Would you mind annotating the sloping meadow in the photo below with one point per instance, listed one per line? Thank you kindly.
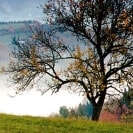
(28, 124)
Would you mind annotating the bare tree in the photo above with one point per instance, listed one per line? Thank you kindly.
(101, 65)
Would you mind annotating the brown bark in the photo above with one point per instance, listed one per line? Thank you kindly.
(97, 107)
(96, 112)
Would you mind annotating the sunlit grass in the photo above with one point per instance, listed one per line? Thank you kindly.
(27, 124)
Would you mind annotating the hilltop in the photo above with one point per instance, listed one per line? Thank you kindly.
(10, 28)
(20, 28)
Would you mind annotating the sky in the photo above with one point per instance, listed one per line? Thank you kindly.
(32, 102)
(11, 10)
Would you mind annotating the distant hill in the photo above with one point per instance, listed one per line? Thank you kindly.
(8, 28)
(21, 28)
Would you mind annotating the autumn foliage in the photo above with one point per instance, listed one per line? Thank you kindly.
(100, 63)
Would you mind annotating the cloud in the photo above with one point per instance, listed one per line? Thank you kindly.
(19, 10)
(7, 9)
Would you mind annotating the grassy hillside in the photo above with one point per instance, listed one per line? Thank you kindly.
(26, 124)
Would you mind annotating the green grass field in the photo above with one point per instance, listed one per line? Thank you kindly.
(27, 124)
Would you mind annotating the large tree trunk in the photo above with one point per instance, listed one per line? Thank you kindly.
(96, 112)
(97, 107)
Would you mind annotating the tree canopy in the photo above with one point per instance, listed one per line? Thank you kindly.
(100, 64)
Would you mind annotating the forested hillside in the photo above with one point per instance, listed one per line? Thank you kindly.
(7, 28)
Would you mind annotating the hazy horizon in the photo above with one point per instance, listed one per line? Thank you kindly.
(30, 103)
